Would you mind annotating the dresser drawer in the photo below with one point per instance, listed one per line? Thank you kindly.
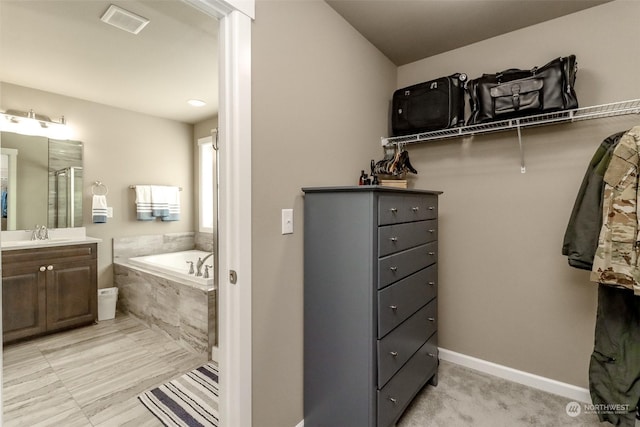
(400, 265)
(400, 344)
(395, 208)
(400, 300)
(396, 395)
(398, 237)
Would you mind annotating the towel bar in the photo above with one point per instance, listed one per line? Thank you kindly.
(133, 187)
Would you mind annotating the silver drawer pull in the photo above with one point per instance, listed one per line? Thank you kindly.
(432, 231)
(431, 319)
(43, 268)
(431, 355)
(415, 208)
(431, 208)
(393, 400)
(432, 283)
(393, 239)
(49, 267)
(393, 307)
(394, 353)
(432, 253)
(394, 269)
(393, 210)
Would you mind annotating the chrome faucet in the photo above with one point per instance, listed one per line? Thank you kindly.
(40, 233)
(200, 263)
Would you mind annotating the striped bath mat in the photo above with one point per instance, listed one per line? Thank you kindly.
(188, 401)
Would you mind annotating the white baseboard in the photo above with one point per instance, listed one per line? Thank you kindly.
(569, 391)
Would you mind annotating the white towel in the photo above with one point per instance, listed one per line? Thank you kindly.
(173, 200)
(159, 201)
(99, 208)
(143, 203)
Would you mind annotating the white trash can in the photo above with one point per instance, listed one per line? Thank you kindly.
(107, 298)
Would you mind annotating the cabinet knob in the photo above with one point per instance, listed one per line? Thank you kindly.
(415, 208)
(393, 210)
(431, 319)
(432, 253)
(432, 230)
(49, 267)
(394, 353)
(432, 283)
(393, 239)
(431, 208)
(43, 268)
(393, 307)
(431, 355)
(394, 269)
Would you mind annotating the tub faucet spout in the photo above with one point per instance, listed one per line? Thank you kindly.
(200, 263)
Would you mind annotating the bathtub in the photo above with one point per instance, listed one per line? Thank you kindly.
(176, 266)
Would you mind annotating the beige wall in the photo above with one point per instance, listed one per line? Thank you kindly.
(121, 148)
(320, 98)
(506, 293)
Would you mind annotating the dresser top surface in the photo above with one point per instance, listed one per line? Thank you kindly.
(368, 188)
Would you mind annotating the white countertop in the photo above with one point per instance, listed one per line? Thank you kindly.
(21, 239)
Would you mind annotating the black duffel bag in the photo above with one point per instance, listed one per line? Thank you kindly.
(433, 105)
(516, 93)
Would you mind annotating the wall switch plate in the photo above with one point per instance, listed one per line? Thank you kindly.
(287, 221)
(109, 212)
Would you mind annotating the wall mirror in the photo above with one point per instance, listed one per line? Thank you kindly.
(41, 181)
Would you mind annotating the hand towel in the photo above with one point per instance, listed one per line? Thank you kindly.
(143, 203)
(173, 199)
(99, 208)
(159, 201)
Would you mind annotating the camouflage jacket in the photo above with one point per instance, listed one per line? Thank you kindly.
(616, 258)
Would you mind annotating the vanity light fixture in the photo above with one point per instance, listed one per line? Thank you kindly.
(30, 123)
(196, 103)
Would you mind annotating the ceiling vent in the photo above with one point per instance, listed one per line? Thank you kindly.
(124, 19)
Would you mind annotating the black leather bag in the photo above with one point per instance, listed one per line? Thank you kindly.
(516, 93)
(433, 105)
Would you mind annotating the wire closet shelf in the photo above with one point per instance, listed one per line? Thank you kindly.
(586, 113)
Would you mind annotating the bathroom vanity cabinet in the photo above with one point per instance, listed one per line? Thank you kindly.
(48, 289)
(370, 302)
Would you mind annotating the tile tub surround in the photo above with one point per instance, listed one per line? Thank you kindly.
(186, 314)
(128, 247)
(204, 241)
(181, 311)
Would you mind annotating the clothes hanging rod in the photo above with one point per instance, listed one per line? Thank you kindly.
(133, 187)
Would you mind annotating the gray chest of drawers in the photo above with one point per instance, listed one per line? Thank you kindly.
(370, 303)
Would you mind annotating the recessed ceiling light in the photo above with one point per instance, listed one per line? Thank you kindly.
(196, 103)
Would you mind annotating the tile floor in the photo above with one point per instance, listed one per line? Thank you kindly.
(90, 376)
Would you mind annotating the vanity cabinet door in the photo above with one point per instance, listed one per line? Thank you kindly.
(71, 294)
(48, 289)
(23, 301)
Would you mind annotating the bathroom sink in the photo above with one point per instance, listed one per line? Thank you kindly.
(21, 239)
(25, 243)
